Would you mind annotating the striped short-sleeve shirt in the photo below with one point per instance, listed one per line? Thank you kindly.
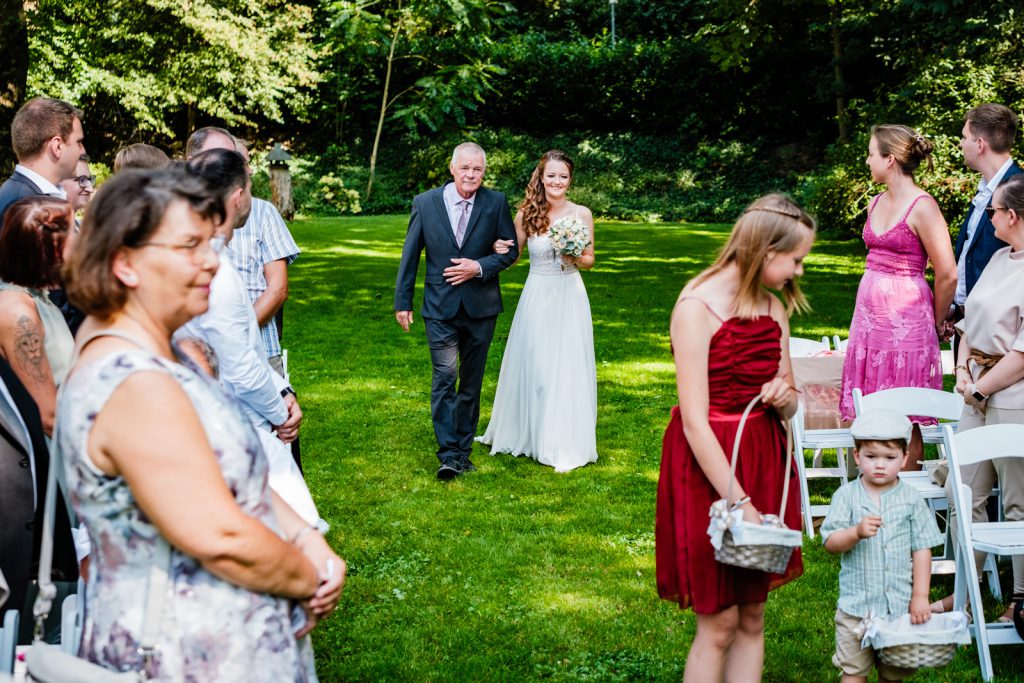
(263, 238)
(876, 573)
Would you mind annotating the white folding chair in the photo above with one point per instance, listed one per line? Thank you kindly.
(942, 405)
(817, 440)
(839, 344)
(1001, 538)
(799, 347)
(8, 641)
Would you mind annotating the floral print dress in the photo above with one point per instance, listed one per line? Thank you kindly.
(211, 630)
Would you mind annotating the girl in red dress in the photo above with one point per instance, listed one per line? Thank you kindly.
(730, 340)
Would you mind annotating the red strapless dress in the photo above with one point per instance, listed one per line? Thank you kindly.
(744, 354)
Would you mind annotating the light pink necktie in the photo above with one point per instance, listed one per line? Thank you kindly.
(460, 230)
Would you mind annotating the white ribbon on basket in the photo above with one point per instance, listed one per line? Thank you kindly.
(747, 533)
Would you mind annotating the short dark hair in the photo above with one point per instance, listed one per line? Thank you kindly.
(996, 123)
(38, 121)
(140, 155)
(198, 139)
(222, 170)
(125, 212)
(32, 242)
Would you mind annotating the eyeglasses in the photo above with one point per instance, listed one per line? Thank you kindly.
(990, 211)
(194, 249)
(85, 181)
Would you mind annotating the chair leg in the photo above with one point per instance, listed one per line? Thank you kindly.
(991, 571)
(843, 471)
(805, 495)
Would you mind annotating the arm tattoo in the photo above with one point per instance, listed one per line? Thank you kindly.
(28, 348)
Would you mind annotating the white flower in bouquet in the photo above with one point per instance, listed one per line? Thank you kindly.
(570, 236)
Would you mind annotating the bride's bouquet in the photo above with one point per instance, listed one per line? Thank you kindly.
(570, 236)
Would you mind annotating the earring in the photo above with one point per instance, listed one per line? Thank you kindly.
(130, 279)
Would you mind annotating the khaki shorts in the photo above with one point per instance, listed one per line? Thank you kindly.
(855, 660)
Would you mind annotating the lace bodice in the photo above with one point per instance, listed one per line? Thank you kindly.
(544, 260)
(898, 250)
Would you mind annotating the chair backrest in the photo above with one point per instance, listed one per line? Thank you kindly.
(839, 344)
(972, 446)
(799, 347)
(944, 405)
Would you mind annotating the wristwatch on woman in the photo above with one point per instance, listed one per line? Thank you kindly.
(978, 396)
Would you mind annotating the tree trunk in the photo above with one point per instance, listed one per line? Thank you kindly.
(842, 116)
(383, 102)
(13, 72)
(281, 191)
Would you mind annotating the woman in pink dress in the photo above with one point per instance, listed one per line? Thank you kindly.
(897, 322)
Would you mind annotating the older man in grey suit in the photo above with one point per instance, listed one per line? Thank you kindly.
(457, 225)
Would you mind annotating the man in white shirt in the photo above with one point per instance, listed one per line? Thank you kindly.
(48, 142)
(986, 139)
(229, 327)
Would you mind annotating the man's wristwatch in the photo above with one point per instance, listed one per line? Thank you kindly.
(286, 391)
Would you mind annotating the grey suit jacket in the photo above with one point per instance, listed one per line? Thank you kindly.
(24, 463)
(430, 229)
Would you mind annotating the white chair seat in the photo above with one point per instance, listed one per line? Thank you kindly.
(1001, 538)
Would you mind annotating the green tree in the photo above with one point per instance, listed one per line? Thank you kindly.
(167, 63)
(431, 55)
(13, 69)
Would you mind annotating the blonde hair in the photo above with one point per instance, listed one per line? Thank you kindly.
(773, 223)
(905, 144)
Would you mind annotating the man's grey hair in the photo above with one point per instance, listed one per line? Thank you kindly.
(469, 148)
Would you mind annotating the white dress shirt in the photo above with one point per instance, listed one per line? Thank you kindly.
(453, 202)
(229, 327)
(980, 201)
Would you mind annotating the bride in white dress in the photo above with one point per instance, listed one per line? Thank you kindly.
(546, 402)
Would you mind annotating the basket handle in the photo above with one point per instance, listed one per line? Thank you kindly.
(736, 456)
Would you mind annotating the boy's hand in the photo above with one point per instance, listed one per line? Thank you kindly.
(869, 526)
(920, 611)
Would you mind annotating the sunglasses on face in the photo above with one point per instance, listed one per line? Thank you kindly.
(990, 211)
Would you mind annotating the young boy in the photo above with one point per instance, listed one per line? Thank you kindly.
(879, 523)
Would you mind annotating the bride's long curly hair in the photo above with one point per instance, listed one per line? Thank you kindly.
(535, 205)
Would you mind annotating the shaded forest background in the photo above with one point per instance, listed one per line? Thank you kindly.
(696, 107)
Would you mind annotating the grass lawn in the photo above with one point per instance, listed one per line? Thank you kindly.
(515, 572)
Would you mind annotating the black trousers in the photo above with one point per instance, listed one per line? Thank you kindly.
(458, 353)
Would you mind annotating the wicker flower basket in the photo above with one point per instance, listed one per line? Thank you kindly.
(767, 547)
(918, 655)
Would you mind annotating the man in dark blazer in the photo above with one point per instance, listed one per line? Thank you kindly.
(986, 139)
(24, 464)
(48, 141)
(457, 225)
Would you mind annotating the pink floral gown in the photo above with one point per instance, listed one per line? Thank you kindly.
(892, 336)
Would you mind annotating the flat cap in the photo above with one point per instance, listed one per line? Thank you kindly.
(881, 425)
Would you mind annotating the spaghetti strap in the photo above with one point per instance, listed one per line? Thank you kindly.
(912, 205)
(710, 310)
(874, 202)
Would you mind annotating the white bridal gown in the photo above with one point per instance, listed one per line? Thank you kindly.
(546, 402)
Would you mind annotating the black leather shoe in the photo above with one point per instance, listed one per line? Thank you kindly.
(448, 471)
(466, 465)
